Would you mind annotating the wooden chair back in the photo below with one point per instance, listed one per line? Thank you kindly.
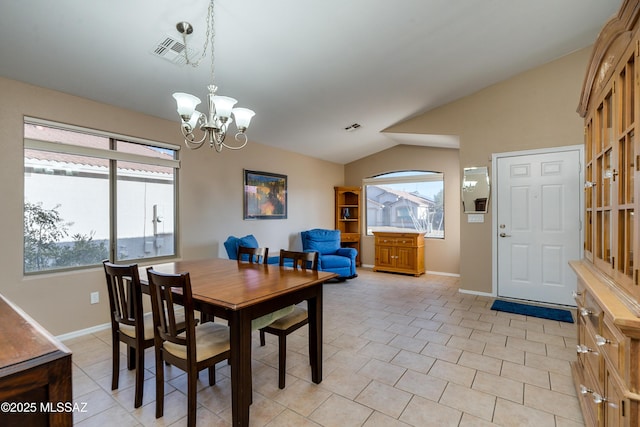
(253, 255)
(125, 294)
(301, 260)
(180, 350)
(163, 305)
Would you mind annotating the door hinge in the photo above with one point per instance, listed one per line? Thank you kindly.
(613, 262)
(635, 277)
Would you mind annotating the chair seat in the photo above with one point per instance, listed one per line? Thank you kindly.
(296, 316)
(130, 330)
(334, 261)
(211, 339)
(267, 319)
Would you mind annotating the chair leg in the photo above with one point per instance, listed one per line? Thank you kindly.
(159, 384)
(139, 376)
(192, 377)
(131, 357)
(262, 339)
(115, 348)
(282, 360)
(212, 375)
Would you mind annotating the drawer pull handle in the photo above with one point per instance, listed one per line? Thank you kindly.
(583, 349)
(576, 294)
(584, 389)
(597, 399)
(585, 312)
(600, 340)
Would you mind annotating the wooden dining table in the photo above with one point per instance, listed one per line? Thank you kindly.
(240, 292)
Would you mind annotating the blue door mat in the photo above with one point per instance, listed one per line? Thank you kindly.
(532, 310)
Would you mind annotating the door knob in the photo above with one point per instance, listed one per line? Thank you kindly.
(505, 235)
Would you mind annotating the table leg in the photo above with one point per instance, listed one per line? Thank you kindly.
(240, 340)
(315, 335)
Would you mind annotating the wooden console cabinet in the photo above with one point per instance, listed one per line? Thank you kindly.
(399, 252)
(35, 373)
(607, 368)
(348, 214)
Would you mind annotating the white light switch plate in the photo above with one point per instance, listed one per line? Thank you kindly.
(475, 218)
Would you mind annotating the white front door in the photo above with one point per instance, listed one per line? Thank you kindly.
(538, 225)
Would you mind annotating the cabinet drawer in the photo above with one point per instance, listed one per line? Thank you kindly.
(589, 354)
(585, 386)
(348, 237)
(613, 345)
(579, 295)
(406, 241)
(385, 241)
(591, 311)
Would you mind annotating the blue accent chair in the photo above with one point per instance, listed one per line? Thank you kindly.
(249, 241)
(332, 257)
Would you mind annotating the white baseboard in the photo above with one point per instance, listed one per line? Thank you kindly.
(484, 294)
(442, 273)
(437, 273)
(83, 332)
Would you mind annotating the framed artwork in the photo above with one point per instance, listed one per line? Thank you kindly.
(265, 195)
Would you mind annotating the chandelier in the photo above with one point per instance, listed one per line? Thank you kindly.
(215, 124)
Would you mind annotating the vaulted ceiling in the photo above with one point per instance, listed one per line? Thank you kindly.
(309, 69)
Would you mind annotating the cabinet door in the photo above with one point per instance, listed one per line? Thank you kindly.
(385, 256)
(613, 404)
(406, 258)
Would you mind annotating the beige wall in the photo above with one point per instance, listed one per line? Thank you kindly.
(210, 200)
(536, 109)
(533, 110)
(441, 255)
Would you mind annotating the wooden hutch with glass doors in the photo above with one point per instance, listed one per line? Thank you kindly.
(606, 371)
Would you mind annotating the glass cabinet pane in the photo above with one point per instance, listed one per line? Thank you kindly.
(627, 95)
(608, 121)
(625, 242)
(607, 179)
(626, 166)
(599, 130)
(588, 233)
(606, 236)
(588, 142)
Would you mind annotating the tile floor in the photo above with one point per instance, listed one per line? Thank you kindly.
(398, 351)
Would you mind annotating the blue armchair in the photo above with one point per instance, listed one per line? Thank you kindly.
(249, 241)
(332, 257)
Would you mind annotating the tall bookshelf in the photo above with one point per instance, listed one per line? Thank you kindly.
(348, 214)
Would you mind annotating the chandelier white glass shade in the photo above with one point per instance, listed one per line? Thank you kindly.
(215, 124)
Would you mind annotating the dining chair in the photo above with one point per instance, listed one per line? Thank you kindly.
(253, 255)
(259, 256)
(197, 348)
(129, 324)
(294, 320)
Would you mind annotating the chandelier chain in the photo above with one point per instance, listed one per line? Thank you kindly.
(213, 125)
(209, 38)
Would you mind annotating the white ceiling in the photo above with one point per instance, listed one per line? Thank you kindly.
(308, 68)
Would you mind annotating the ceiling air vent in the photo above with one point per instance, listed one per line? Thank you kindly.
(352, 127)
(172, 50)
